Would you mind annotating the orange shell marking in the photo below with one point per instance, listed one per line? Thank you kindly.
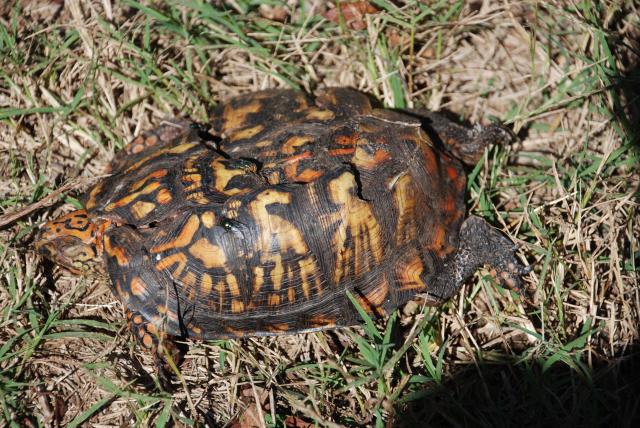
(210, 255)
(179, 258)
(93, 194)
(208, 219)
(138, 288)
(184, 237)
(155, 174)
(181, 148)
(141, 209)
(235, 117)
(206, 284)
(365, 246)
(318, 114)
(245, 133)
(132, 197)
(117, 252)
(164, 196)
(405, 204)
(363, 160)
(289, 146)
(409, 275)
(375, 298)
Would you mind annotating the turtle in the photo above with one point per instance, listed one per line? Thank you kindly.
(281, 215)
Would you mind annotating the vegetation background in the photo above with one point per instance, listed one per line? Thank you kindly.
(80, 78)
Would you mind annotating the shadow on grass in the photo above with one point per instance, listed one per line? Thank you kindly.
(522, 395)
(626, 86)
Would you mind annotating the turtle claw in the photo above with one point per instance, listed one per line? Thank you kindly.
(508, 270)
(509, 276)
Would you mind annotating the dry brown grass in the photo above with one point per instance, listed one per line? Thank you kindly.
(83, 79)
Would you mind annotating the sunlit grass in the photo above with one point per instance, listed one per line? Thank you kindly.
(77, 87)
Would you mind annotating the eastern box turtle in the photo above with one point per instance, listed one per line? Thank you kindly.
(263, 225)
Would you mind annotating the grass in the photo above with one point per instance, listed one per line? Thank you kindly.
(78, 82)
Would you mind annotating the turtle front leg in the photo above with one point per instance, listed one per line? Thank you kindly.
(160, 345)
(479, 244)
(463, 142)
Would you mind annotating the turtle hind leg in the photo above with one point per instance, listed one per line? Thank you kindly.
(479, 244)
(160, 345)
(463, 142)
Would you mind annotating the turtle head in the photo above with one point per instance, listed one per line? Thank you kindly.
(70, 241)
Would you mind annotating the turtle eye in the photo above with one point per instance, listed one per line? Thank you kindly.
(46, 250)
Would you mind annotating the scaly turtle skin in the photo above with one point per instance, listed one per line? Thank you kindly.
(264, 228)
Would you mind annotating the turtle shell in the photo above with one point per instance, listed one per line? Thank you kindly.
(267, 227)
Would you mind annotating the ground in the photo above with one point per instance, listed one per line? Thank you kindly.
(78, 79)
